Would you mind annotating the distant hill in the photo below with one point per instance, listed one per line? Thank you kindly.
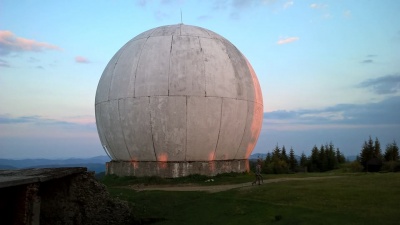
(93, 164)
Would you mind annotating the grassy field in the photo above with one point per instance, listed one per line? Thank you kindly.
(364, 198)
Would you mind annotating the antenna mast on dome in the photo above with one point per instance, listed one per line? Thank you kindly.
(181, 17)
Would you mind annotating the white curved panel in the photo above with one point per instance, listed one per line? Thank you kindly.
(168, 121)
(136, 126)
(168, 30)
(103, 88)
(186, 67)
(123, 81)
(153, 68)
(220, 78)
(203, 122)
(113, 133)
(194, 31)
(252, 130)
(233, 124)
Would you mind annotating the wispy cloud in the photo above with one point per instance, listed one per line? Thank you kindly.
(389, 84)
(9, 42)
(287, 40)
(159, 15)
(288, 4)
(384, 113)
(347, 14)
(81, 59)
(318, 6)
(366, 61)
(4, 63)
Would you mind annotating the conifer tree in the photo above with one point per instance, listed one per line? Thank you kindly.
(314, 160)
(292, 160)
(392, 152)
(367, 152)
(303, 160)
(284, 156)
(377, 150)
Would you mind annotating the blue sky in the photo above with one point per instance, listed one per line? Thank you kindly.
(329, 70)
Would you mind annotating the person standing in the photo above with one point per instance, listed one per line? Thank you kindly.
(259, 178)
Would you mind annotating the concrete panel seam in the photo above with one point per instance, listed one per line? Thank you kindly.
(181, 96)
(151, 130)
(137, 65)
(204, 68)
(219, 131)
(186, 126)
(120, 124)
(244, 132)
(169, 64)
(107, 144)
(113, 71)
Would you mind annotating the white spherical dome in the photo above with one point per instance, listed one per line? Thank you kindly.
(178, 93)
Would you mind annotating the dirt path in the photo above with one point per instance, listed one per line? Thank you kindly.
(218, 188)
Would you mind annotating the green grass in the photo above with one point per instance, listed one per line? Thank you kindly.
(364, 198)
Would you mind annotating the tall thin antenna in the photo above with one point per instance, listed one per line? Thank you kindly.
(181, 16)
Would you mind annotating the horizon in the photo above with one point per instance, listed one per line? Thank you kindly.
(328, 70)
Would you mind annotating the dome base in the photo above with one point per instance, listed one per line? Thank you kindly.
(175, 169)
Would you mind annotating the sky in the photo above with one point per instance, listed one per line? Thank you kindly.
(329, 70)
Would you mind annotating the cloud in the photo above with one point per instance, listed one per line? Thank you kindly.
(241, 4)
(204, 17)
(9, 42)
(384, 113)
(347, 14)
(159, 15)
(4, 63)
(318, 6)
(389, 84)
(287, 40)
(288, 4)
(366, 61)
(81, 59)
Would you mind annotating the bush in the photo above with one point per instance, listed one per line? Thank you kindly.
(352, 167)
(391, 166)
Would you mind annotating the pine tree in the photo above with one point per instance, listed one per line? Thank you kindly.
(284, 156)
(392, 152)
(322, 159)
(268, 159)
(340, 157)
(332, 162)
(276, 154)
(314, 160)
(377, 150)
(292, 161)
(303, 160)
(367, 152)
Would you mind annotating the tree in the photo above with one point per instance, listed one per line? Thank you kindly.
(340, 157)
(370, 156)
(377, 150)
(367, 152)
(314, 160)
(332, 162)
(392, 152)
(303, 160)
(284, 156)
(292, 160)
(276, 154)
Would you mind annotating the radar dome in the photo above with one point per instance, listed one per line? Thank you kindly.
(177, 100)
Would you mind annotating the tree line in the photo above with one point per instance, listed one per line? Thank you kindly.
(322, 159)
(327, 157)
(372, 160)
